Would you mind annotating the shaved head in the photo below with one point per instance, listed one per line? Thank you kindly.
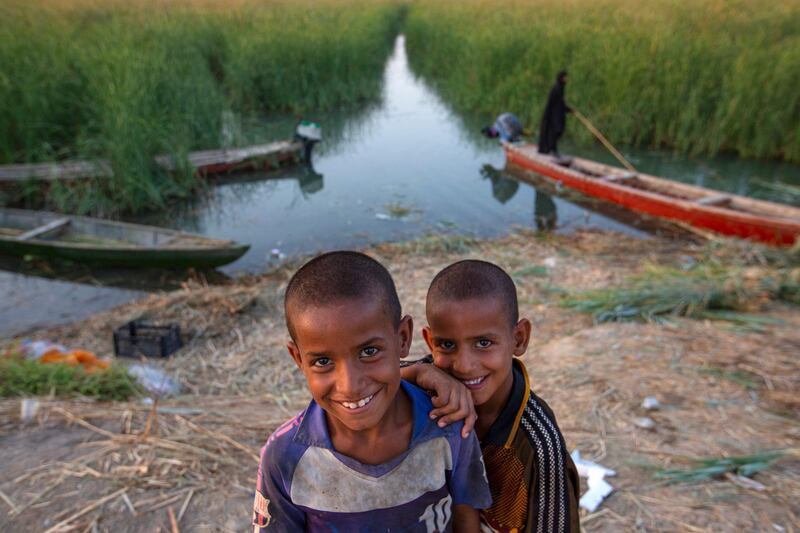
(335, 277)
(472, 279)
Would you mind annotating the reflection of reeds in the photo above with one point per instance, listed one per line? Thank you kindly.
(126, 82)
(698, 76)
(780, 192)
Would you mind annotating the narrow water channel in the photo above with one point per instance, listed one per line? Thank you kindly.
(403, 167)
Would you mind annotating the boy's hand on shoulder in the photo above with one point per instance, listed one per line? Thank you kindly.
(452, 401)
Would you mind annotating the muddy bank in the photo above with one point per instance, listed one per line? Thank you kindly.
(724, 391)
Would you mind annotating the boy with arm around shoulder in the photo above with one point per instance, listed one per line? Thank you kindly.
(475, 335)
(364, 455)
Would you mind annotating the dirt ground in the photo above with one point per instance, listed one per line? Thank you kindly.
(189, 463)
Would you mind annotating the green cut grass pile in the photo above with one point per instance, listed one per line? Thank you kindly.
(20, 377)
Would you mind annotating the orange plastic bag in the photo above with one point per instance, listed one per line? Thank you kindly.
(89, 361)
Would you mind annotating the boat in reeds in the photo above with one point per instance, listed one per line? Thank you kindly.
(204, 163)
(91, 240)
(707, 209)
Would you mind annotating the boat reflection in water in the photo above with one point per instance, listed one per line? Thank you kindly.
(309, 180)
(545, 207)
(544, 211)
(504, 187)
(133, 279)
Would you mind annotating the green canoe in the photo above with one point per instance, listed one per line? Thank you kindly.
(91, 240)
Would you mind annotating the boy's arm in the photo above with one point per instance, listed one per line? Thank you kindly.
(565, 474)
(452, 401)
(571, 519)
(468, 484)
(466, 519)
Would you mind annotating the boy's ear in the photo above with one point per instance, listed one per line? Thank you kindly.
(522, 335)
(406, 332)
(294, 351)
(427, 334)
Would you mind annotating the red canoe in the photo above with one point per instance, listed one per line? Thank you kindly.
(724, 213)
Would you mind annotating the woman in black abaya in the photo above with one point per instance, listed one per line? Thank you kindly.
(554, 118)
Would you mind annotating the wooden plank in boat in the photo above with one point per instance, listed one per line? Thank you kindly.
(55, 171)
(228, 156)
(717, 199)
(103, 169)
(619, 178)
(46, 229)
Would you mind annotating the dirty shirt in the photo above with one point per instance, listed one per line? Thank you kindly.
(304, 484)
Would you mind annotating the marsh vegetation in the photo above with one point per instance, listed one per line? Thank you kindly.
(699, 77)
(127, 81)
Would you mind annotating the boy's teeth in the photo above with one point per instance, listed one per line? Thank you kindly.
(473, 381)
(360, 403)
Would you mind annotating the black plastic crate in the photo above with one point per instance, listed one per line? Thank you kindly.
(136, 339)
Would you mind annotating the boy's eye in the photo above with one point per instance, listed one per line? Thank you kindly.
(447, 345)
(321, 362)
(369, 351)
(484, 343)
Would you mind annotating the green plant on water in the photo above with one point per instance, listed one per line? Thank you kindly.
(707, 291)
(20, 377)
(699, 76)
(439, 244)
(399, 210)
(705, 469)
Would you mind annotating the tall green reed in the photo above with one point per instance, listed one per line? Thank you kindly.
(126, 82)
(698, 76)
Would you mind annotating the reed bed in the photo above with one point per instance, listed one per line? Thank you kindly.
(128, 81)
(698, 76)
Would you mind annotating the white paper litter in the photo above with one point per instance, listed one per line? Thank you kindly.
(645, 422)
(28, 408)
(651, 403)
(599, 488)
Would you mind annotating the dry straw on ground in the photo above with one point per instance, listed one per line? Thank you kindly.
(189, 463)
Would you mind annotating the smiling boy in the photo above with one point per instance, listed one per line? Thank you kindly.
(475, 335)
(364, 455)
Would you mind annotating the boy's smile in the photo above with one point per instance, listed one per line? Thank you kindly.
(474, 341)
(349, 353)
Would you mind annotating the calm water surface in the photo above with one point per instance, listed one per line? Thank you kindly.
(400, 168)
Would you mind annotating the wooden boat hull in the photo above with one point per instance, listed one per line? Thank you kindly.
(90, 240)
(204, 163)
(763, 221)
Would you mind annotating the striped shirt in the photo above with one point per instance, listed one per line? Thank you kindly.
(534, 483)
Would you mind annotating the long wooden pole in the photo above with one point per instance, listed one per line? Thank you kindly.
(603, 140)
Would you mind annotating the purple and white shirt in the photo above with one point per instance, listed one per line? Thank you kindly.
(306, 485)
